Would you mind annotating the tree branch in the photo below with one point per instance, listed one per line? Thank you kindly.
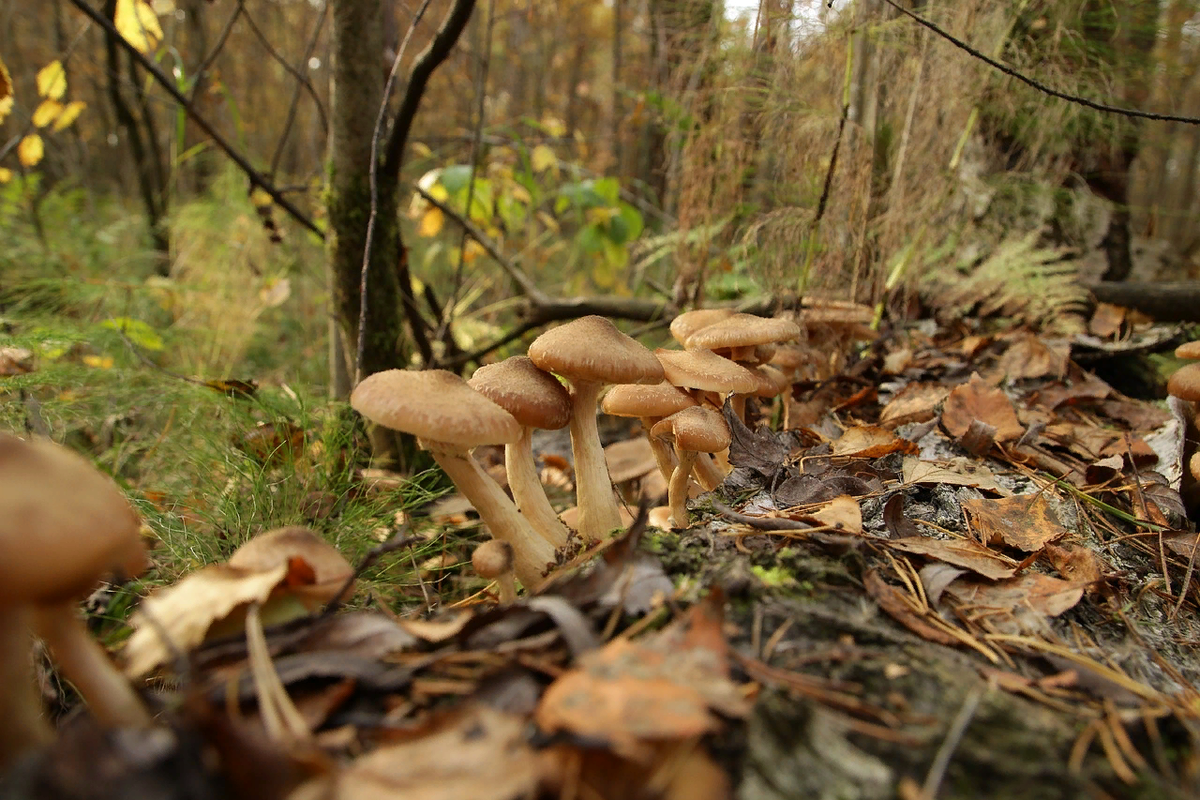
(257, 180)
(430, 59)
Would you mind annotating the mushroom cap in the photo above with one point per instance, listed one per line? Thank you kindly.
(1185, 382)
(592, 349)
(268, 550)
(63, 524)
(1188, 350)
(772, 381)
(706, 371)
(698, 429)
(1194, 465)
(492, 559)
(630, 459)
(533, 396)
(742, 330)
(689, 322)
(435, 405)
(641, 400)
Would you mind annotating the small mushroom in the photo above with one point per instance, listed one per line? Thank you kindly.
(689, 322)
(649, 404)
(493, 561)
(693, 430)
(1189, 351)
(591, 353)
(738, 335)
(64, 525)
(449, 419)
(536, 400)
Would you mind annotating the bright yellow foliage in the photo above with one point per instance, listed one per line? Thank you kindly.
(52, 81)
(70, 113)
(46, 112)
(137, 22)
(30, 150)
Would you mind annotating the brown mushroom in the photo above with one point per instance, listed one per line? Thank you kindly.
(1189, 351)
(536, 400)
(738, 335)
(591, 353)
(449, 419)
(649, 403)
(689, 322)
(693, 430)
(493, 561)
(64, 525)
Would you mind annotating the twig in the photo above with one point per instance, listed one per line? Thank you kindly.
(257, 179)
(937, 770)
(1041, 87)
(373, 177)
(203, 66)
(437, 51)
(760, 523)
(295, 102)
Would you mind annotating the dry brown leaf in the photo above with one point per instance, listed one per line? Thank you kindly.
(476, 752)
(1106, 320)
(15, 361)
(1023, 521)
(436, 630)
(892, 601)
(842, 513)
(959, 472)
(1030, 357)
(1030, 591)
(870, 441)
(186, 611)
(916, 402)
(1077, 564)
(976, 400)
(963, 553)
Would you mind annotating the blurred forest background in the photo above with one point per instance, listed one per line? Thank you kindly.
(186, 185)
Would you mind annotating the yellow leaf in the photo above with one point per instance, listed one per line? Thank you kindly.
(553, 125)
(52, 80)
(275, 292)
(46, 112)
(550, 222)
(543, 158)
(135, 20)
(5, 175)
(98, 362)
(30, 150)
(431, 223)
(6, 93)
(420, 150)
(472, 251)
(69, 114)
(260, 198)
(520, 194)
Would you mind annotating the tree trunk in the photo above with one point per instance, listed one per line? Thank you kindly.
(356, 95)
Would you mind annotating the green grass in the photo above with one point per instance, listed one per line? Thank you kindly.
(177, 447)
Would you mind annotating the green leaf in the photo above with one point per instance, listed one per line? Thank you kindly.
(633, 220)
(609, 189)
(135, 331)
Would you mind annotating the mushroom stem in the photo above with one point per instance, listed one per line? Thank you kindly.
(677, 490)
(24, 726)
(531, 553)
(598, 512)
(85, 663)
(708, 473)
(506, 589)
(664, 456)
(527, 490)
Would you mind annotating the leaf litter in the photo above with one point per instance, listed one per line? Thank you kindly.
(992, 499)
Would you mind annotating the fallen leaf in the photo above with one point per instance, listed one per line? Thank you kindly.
(976, 400)
(870, 441)
(1077, 564)
(1024, 521)
(15, 361)
(1030, 357)
(842, 513)
(958, 472)
(916, 402)
(893, 602)
(963, 553)
(1032, 591)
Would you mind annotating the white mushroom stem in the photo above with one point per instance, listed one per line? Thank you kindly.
(664, 455)
(528, 492)
(677, 489)
(598, 511)
(506, 589)
(531, 553)
(24, 728)
(84, 662)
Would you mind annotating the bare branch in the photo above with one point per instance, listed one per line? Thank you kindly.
(429, 60)
(257, 179)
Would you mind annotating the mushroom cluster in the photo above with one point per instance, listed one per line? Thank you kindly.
(502, 404)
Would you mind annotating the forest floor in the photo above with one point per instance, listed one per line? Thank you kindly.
(952, 564)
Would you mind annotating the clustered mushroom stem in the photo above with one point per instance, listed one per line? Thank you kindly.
(598, 511)
(83, 661)
(708, 474)
(664, 456)
(677, 489)
(527, 490)
(531, 553)
(24, 728)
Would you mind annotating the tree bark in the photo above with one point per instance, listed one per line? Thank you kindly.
(357, 77)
